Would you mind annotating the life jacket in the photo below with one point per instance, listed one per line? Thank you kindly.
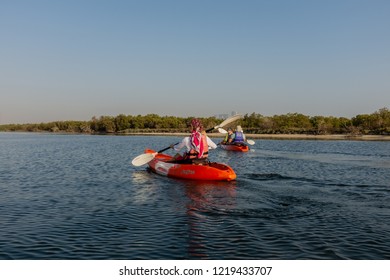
(193, 154)
(227, 137)
(239, 137)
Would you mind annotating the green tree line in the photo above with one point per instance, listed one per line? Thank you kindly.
(377, 123)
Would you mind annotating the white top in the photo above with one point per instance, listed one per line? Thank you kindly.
(186, 142)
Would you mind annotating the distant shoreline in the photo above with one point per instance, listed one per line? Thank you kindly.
(219, 135)
(282, 136)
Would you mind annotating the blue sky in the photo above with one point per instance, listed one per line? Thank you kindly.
(72, 60)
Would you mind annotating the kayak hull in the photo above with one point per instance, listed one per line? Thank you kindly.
(236, 148)
(163, 164)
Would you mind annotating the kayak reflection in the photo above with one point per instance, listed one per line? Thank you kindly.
(209, 203)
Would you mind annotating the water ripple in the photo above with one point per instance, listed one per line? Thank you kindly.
(77, 197)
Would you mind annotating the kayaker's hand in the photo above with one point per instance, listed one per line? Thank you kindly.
(171, 146)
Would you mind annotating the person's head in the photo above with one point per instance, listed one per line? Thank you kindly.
(230, 130)
(196, 125)
(239, 128)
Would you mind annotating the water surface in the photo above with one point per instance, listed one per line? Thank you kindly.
(78, 197)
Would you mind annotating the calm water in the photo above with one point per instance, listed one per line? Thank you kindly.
(78, 197)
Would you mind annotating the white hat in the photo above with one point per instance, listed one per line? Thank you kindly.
(239, 129)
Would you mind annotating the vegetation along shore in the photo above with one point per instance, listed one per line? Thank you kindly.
(374, 126)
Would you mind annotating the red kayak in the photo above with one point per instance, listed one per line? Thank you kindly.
(165, 165)
(235, 147)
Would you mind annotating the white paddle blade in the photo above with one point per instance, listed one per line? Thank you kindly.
(221, 130)
(142, 159)
(229, 120)
(250, 142)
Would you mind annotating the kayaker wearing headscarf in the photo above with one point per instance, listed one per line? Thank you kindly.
(197, 145)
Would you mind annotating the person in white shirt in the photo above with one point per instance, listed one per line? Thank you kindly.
(197, 145)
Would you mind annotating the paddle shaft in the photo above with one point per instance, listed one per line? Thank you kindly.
(167, 148)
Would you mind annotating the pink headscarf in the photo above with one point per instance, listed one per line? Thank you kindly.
(196, 137)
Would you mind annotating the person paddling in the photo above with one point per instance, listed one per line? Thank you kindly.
(239, 136)
(197, 145)
(229, 137)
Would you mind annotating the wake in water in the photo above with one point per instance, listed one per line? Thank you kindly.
(314, 182)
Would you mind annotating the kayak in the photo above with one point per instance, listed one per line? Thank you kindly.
(235, 147)
(165, 165)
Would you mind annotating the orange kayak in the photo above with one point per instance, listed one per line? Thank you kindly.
(235, 147)
(165, 165)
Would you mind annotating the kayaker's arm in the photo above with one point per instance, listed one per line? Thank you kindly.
(180, 145)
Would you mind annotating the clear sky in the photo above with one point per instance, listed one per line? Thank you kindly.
(75, 59)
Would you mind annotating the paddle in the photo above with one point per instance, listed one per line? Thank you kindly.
(145, 158)
(221, 130)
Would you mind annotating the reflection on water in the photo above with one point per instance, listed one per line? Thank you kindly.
(208, 195)
(145, 191)
(199, 202)
(206, 199)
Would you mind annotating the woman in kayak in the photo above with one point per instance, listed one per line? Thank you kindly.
(197, 145)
